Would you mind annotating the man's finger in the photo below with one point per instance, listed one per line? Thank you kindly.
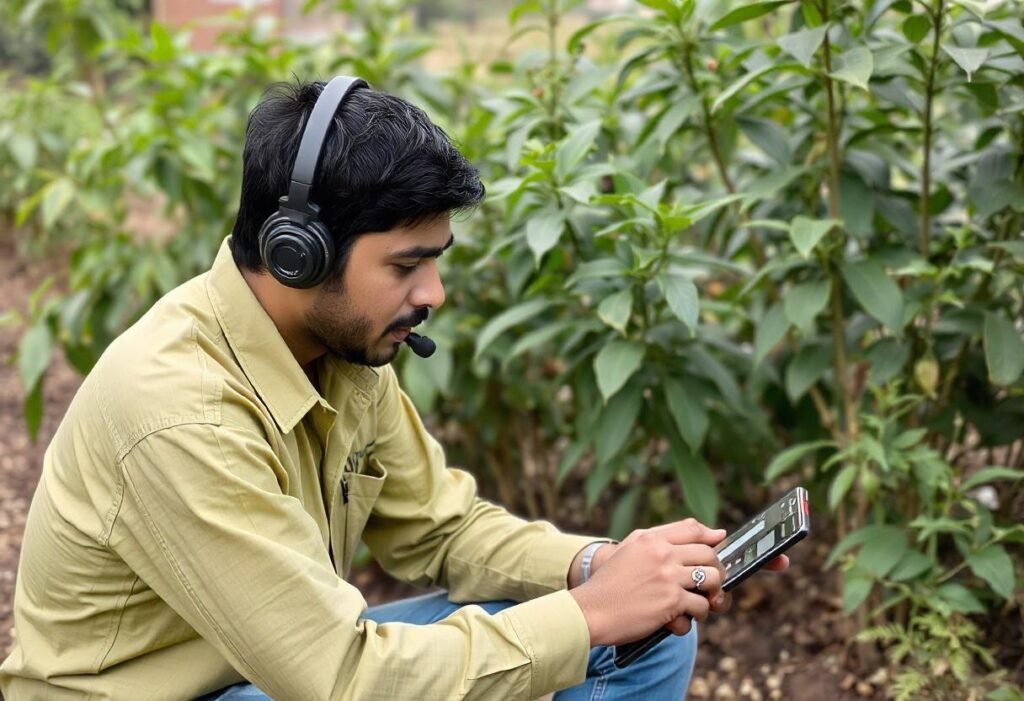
(680, 626)
(778, 564)
(688, 531)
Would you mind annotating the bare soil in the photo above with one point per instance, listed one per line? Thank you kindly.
(785, 637)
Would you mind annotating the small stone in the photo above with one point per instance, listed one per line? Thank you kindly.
(747, 689)
(880, 677)
(725, 692)
(698, 688)
(784, 656)
(864, 689)
(773, 682)
(847, 683)
(727, 665)
(775, 694)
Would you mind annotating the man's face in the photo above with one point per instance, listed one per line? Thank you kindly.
(388, 285)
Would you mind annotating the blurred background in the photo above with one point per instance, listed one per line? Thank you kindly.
(728, 248)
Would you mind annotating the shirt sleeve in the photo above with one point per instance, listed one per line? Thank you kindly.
(203, 521)
(429, 526)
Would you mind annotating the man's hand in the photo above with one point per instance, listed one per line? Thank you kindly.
(641, 584)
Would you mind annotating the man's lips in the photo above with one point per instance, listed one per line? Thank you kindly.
(401, 333)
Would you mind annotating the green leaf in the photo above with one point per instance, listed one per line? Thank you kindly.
(854, 66)
(841, 485)
(859, 537)
(34, 350)
(544, 229)
(56, 198)
(877, 293)
(960, 598)
(856, 588)
(681, 295)
(686, 404)
(32, 409)
(802, 45)
(700, 491)
(968, 59)
(767, 136)
(770, 331)
(994, 565)
(807, 367)
(879, 556)
(747, 11)
(992, 187)
(506, 320)
(913, 564)
(615, 424)
(575, 147)
(624, 513)
(570, 459)
(743, 82)
(24, 150)
(887, 356)
(785, 460)
(916, 27)
(991, 474)
(597, 269)
(1004, 349)
(856, 204)
(804, 302)
(806, 233)
(615, 364)
(615, 309)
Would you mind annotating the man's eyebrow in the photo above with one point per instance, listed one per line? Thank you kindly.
(424, 251)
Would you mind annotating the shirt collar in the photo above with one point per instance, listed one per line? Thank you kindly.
(262, 354)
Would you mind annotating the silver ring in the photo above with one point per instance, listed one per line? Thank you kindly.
(698, 576)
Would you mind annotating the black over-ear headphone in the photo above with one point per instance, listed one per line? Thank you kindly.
(294, 244)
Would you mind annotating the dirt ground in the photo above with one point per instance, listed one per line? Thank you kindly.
(785, 637)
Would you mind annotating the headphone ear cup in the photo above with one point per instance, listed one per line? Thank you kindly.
(297, 255)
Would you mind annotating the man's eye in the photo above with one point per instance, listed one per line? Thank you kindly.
(405, 269)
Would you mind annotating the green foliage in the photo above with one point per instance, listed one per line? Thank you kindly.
(939, 658)
(724, 244)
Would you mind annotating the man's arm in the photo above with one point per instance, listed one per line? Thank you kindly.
(428, 525)
(205, 525)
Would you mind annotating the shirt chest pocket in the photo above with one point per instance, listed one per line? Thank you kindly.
(353, 505)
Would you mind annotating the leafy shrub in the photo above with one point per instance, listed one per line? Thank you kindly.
(723, 247)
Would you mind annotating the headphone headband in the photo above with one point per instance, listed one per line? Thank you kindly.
(313, 136)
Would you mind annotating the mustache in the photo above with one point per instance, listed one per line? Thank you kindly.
(408, 321)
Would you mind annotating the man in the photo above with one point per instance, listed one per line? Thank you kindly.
(200, 503)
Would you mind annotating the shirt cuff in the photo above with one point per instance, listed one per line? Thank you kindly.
(554, 634)
(547, 565)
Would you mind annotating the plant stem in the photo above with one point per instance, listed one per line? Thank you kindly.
(716, 149)
(836, 301)
(926, 167)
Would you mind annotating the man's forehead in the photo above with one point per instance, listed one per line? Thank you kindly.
(396, 241)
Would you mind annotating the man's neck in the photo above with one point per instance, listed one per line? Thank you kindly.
(285, 308)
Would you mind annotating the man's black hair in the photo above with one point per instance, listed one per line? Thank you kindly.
(391, 167)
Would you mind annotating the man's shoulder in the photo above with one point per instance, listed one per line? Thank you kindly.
(168, 368)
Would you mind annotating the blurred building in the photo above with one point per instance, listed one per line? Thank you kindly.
(208, 18)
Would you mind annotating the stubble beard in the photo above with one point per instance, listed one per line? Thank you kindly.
(343, 331)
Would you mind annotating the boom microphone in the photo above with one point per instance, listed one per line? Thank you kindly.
(421, 345)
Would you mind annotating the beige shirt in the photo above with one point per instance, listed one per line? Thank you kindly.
(199, 507)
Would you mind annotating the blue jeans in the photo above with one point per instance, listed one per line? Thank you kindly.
(663, 674)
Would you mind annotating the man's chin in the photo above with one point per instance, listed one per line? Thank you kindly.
(373, 359)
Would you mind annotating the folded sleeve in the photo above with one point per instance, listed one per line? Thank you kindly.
(204, 522)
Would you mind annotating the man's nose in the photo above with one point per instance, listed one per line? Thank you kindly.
(429, 290)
